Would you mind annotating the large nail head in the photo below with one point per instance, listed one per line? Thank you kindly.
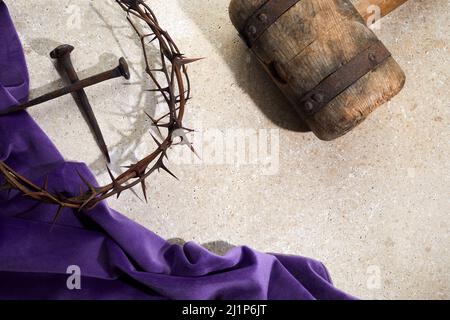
(61, 51)
(124, 70)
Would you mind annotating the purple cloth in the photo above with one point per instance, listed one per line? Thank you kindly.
(118, 258)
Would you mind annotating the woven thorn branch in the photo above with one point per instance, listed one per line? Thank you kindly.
(175, 91)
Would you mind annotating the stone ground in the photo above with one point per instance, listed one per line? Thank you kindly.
(373, 206)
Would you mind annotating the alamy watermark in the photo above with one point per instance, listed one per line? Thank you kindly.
(374, 17)
(232, 147)
(73, 282)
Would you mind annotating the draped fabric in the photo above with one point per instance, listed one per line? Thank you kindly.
(117, 258)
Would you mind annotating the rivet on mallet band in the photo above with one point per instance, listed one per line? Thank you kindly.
(318, 97)
(262, 17)
(252, 30)
(309, 106)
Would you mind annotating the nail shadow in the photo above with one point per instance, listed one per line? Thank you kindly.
(123, 149)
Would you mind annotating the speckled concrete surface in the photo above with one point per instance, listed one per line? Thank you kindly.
(374, 205)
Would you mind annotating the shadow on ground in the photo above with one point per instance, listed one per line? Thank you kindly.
(248, 73)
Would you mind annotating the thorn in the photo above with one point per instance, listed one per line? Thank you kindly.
(188, 130)
(45, 186)
(90, 186)
(86, 203)
(158, 129)
(146, 36)
(111, 175)
(148, 70)
(185, 92)
(161, 165)
(155, 123)
(165, 154)
(195, 152)
(153, 39)
(169, 172)
(156, 140)
(33, 194)
(144, 190)
(165, 125)
(55, 218)
(178, 100)
(167, 53)
(158, 90)
(151, 118)
(184, 61)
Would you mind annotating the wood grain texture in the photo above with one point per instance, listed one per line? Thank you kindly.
(311, 41)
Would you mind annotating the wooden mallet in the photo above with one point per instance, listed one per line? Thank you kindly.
(323, 56)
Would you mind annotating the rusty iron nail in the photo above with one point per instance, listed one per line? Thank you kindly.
(62, 55)
(121, 70)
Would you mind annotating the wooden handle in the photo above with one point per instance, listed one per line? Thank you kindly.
(385, 7)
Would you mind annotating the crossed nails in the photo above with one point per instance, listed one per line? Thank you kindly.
(64, 62)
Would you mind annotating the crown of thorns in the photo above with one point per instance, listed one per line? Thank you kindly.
(175, 90)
